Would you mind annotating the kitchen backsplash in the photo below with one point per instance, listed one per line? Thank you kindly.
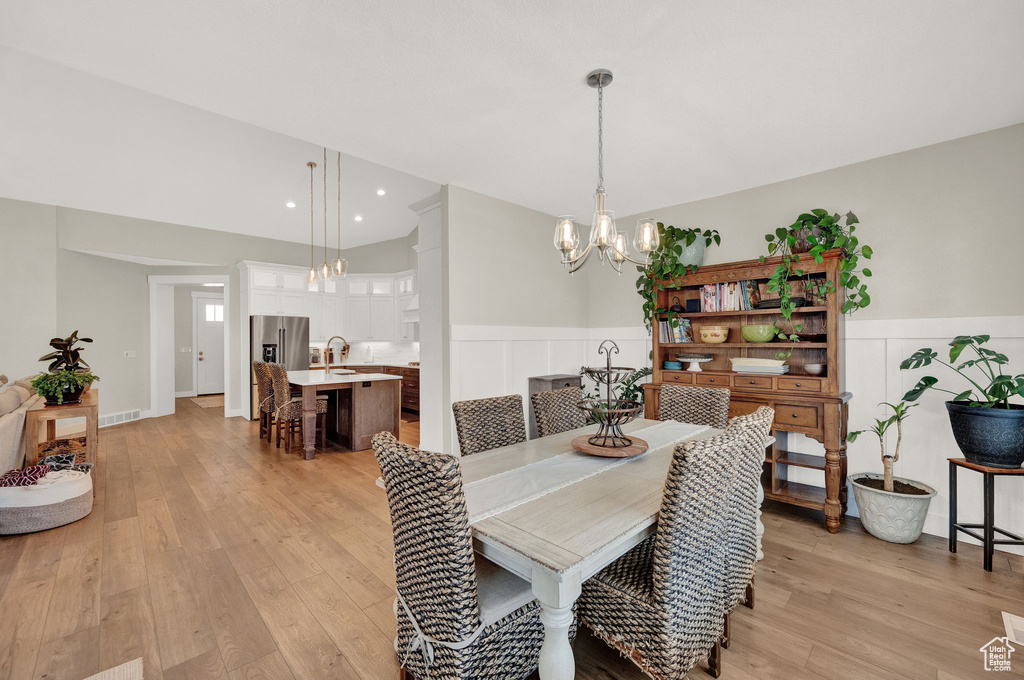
(380, 352)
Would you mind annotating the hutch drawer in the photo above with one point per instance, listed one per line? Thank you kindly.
(678, 377)
(800, 384)
(797, 415)
(716, 380)
(752, 382)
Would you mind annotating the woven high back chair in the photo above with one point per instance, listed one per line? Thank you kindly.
(288, 410)
(696, 405)
(485, 424)
(265, 394)
(663, 603)
(556, 410)
(438, 579)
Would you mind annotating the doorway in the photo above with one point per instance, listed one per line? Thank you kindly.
(208, 343)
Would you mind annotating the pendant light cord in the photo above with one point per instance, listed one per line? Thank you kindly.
(312, 254)
(325, 205)
(600, 138)
(339, 205)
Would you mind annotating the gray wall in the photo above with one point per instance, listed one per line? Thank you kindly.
(943, 220)
(53, 289)
(502, 267)
(28, 285)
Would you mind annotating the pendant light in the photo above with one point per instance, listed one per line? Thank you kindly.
(325, 268)
(312, 274)
(340, 266)
(610, 244)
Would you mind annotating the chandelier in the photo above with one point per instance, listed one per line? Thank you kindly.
(612, 246)
(338, 268)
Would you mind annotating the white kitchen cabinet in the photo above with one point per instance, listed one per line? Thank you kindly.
(406, 331)
(294, 281)
(264, 278)
(382, 319)
(358, 319)
(264, 302)
(382, 287)
(405, 283)
(293, 304)
(322, 310)
(357, 286)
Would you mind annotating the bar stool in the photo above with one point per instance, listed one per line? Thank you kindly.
(987, 538)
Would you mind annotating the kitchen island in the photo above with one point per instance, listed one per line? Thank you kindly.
(359, 406)
(410, 374)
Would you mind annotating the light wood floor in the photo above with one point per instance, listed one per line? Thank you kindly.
(213, 555)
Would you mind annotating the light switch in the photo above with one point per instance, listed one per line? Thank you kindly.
(129, 354)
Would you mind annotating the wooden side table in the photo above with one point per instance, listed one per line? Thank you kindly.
(987, 538)
(88, 408)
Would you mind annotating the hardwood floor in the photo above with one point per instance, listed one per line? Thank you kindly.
(213, 555)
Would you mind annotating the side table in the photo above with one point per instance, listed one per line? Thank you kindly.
(987, 538)
(88, 408)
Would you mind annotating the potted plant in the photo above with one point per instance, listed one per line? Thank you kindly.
(63, 386)
(891, 508)
(988, 428)
(69, 374)
(813, 233)
(680, 251)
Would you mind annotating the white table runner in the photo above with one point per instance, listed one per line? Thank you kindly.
(493, 495)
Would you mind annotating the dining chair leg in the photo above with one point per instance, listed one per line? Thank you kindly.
(727, 632)
(749, 599)
(277, 436)
(262, 423)
(289, 436)
(404, 675)
(715, 660)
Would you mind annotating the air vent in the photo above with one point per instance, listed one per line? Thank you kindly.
(118, 418)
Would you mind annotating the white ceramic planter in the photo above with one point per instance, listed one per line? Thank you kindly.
(693, 253)
(892, 517)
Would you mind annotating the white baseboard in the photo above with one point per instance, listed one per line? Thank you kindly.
(186, 393)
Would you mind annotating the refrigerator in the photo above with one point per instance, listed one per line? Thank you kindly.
(277, 340)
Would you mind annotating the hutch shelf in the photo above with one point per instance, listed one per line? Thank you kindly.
(813, 405)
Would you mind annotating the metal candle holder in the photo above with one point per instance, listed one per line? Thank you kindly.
(610, 414)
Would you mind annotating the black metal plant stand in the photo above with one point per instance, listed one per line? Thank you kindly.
(989, 530)
(610, 414)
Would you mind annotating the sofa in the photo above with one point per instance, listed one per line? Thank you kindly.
(59, 498)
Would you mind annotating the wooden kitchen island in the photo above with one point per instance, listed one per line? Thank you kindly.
(358, 407)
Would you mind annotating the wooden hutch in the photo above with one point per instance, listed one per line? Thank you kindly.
(815, 406)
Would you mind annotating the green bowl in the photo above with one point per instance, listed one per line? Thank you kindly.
(760, 333)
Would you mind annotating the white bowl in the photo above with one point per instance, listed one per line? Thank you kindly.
(814, 369)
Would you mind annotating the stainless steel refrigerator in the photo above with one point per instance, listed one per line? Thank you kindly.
(278, 340)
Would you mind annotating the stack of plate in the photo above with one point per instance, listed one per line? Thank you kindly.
(755, 366)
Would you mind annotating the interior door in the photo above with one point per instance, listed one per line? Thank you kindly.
(210, 346)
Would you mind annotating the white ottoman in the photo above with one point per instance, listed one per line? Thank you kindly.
(59, 498)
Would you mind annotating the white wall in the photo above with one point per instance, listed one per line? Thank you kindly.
(28, 285)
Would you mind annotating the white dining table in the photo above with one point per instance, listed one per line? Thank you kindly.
(556, 517)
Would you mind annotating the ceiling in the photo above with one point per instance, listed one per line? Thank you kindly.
(710, 96)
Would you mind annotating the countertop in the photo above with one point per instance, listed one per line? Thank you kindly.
(349, 364)
(317, 377)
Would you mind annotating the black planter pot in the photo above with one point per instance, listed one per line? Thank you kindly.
(69, 397)
(988, 436)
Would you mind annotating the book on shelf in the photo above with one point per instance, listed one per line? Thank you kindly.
(676, 331)
(732, 296)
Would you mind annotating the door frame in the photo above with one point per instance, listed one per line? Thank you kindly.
(196, 296)
(161, 339)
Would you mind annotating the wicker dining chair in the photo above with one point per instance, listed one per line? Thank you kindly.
(288, 409)
(485, 424)
(742, 512)
(663, 603)
(447, 595)
(557, 411)
(696, 405)
(265, 394)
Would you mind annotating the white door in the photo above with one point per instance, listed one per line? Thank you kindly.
(358, 320)
(382, 319)
(210, 346)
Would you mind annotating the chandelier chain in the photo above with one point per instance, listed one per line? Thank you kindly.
(600, 138)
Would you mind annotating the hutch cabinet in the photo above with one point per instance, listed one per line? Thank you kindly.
(812, 405)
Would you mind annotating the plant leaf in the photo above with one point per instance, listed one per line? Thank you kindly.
(920, 388)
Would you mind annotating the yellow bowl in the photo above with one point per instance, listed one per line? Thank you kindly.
(714, 334)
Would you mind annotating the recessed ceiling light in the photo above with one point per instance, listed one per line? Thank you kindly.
(290, 204)
(214, 285)
(380, 192)
(359, 218)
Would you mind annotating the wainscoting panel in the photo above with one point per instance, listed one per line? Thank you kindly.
(494, 360)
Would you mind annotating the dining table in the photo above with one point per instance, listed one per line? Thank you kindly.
(555, 517)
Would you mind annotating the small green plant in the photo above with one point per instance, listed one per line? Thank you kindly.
(900, 412)
(628, 390)
(67, 355)
(986, 362)
(56, 383)
(819, 231)
(665, 264)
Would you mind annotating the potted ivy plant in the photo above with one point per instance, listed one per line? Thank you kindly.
(680, 252)
(812, 234)
(988, 428)
(69, 375)
(891, 508)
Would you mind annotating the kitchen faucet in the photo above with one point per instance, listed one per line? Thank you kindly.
(342, 355)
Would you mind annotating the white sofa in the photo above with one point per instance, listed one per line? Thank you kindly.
(59, 498)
